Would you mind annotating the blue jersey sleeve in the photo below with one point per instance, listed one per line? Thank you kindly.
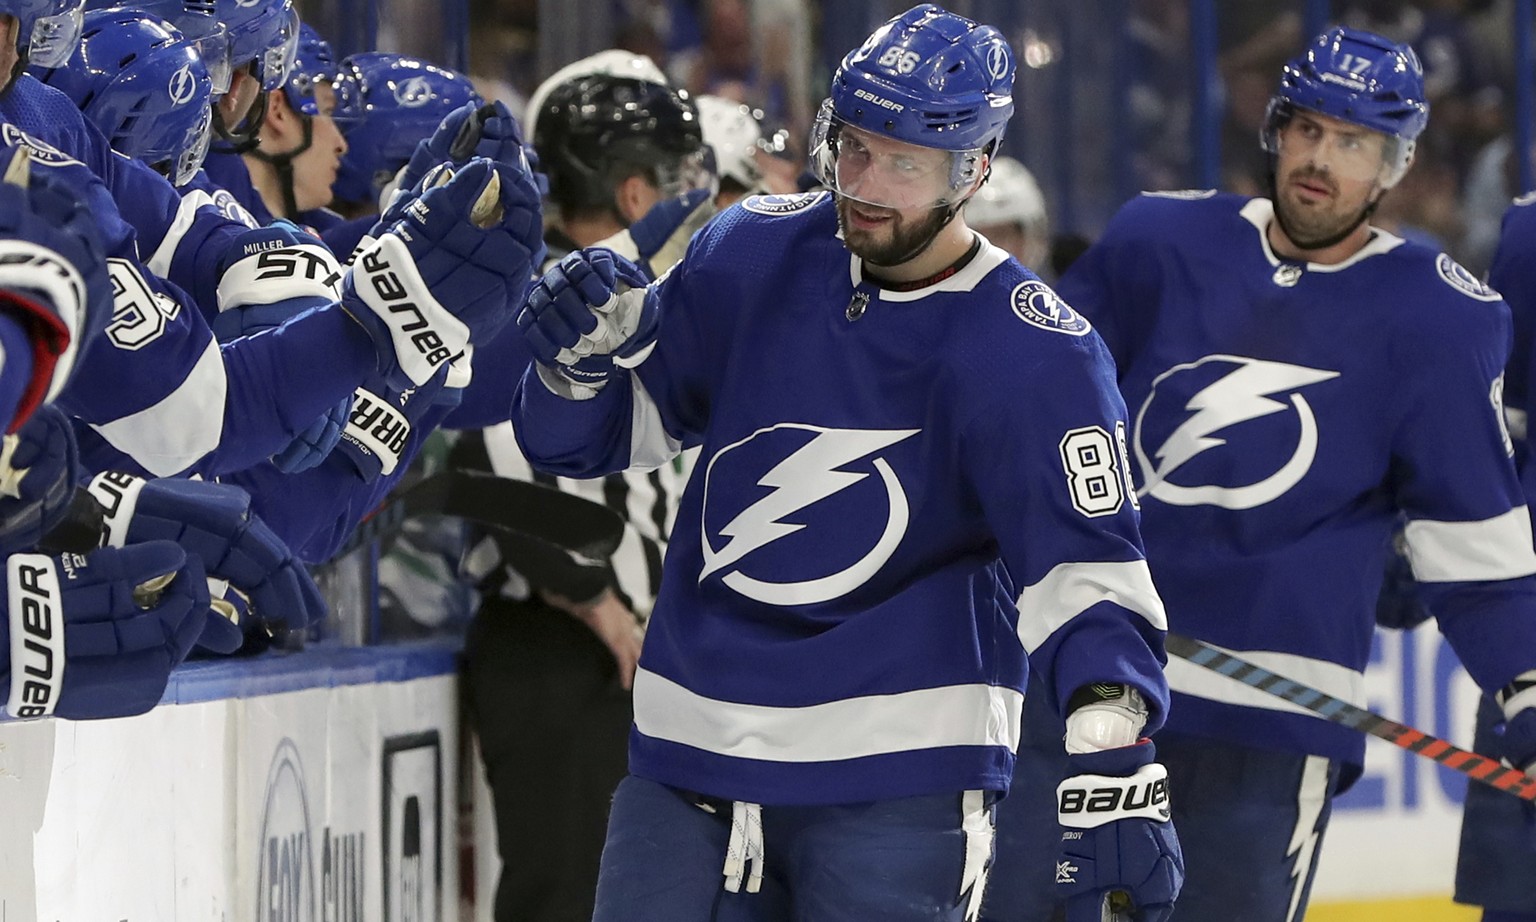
(1051, 476)
(1468, 533)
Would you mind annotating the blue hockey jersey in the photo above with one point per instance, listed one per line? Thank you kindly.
(1513, 275)
(898, 495)
(1285, 415)
(159, 396)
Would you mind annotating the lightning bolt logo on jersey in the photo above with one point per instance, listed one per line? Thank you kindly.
(1211, 432)
(822, 484)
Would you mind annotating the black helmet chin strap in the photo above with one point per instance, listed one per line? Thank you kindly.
(242, 138)
(283, 165)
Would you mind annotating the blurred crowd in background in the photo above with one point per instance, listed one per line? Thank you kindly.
(1105, 89)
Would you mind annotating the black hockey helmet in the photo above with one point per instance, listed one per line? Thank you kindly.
(594, 131)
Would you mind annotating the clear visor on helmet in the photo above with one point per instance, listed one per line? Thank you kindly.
(882, 171)
(54, 37)
(685, 175)
(277, 61)
(194, 150)
(212, 45)
(1333, 145)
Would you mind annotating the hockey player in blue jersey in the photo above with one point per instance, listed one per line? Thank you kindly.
(1300, 382)
(215, 390)
(912, 475)
(1496, 865)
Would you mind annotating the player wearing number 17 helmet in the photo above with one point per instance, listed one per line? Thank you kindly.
(1301, 383)
(911, 490)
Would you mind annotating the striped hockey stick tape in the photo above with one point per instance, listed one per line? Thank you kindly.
(1478, 767)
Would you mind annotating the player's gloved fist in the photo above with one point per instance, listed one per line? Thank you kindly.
(1118, 843)
(270, 274)
(450, 272)
(661, 236)
(39, 469)
(590, 311)
(53, 273)
(471, 130)
(1518, 741)
(97, 635)
(214, 521)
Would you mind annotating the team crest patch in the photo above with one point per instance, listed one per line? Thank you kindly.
(1459, 278)
(1186, 195)
(46, 154)
(1037, 305)
(781, 204)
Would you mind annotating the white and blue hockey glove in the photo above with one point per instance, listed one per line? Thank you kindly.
(53, 274)
(97, 635)
(469, 131)
(1119, 858)
(661, 236)
(39, 470)
(273, 273)
(214, 521)
(450, 272)
(590, 312)
(1517, 741)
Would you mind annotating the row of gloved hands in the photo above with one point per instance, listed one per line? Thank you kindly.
(132, 575)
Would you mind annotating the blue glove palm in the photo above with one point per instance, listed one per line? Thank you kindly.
(1118, 843)
(271, 274)
(214, 522)
(589, 312)
(471, 130)
(98, 635)
(39, 469)
(447, 273)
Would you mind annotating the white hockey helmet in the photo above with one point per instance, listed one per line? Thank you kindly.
(734, 135)
(1009, 196)
(614, 62)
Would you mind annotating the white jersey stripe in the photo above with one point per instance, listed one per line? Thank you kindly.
(649, 444)
(1453, 552)
(1072, 588)
(1311, 798)
(953, 715)
(175, 433)
(1338, 681)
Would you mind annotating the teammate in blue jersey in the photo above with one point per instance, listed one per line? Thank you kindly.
(1496, 865)
(911, 491)
(187, 415)
(1301, 382)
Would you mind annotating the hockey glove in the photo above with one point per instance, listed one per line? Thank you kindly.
(53, 274)
(661, 237)
(39, 469)
(488, 131)
(1518, 742)
(214, 521)
(449, 273)
(1119, 852)
(274, 273)
(97, 635)
(589, 312)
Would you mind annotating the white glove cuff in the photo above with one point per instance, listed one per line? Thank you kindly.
(1109, 723)
(118, 494)
(1090, 801)
(36, 610)
(1518, 694)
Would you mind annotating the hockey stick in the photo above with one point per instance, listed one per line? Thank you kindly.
(1478, 767)
(564, 523)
